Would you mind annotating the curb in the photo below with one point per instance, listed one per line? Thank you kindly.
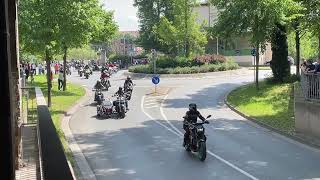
(194, 75)
(293, 137)
(80, 159)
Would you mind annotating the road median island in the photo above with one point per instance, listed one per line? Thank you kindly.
(205, 68)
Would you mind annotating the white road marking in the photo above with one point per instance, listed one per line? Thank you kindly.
(150, 107)
(150, 100)
(142, 108)
(208, 151)
(151, 103)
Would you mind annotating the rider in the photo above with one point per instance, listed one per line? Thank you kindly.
(191, 117)
(104, 74)
(98, 86)
(121, 93)
(127, 82)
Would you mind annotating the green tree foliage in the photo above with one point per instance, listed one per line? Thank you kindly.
(309, 45)
(170, 26)
(279, 63)
(256, 18)
(311, 19)
(49, 27)
(174, 36)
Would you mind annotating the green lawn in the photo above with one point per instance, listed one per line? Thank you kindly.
(271, 105)
(61, 102)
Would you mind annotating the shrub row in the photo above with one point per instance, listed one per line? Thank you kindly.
(210, 59)
(148, 69)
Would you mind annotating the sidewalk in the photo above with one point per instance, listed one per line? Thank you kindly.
(30, 154)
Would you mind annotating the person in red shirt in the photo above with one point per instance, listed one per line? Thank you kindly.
(56, 68)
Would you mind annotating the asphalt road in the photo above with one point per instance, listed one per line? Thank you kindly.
(147, 143)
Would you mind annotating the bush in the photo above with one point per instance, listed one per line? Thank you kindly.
(148, 69)
(125, 59)
(210, 59)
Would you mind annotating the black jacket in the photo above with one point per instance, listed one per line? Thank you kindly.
(192, 116)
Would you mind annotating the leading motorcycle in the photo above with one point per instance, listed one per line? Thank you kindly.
(197, 139)
(98, 97)
(120, 106)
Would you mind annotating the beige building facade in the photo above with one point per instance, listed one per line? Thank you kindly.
(237, 48)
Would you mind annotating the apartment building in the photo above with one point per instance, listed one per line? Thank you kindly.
(237, 48)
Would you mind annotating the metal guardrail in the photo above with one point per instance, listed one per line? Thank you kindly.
(310, 85)
(53, 162)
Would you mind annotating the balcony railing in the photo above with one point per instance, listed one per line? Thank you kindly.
(310, 85)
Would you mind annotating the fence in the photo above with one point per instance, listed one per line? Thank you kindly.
(310, 85)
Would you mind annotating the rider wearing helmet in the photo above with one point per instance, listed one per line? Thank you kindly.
(127, 83)
(104, 74)
(191, 117)
(128, 80)
(98, 85)
(121, 93)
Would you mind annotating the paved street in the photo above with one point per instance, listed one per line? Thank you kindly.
(147, 143)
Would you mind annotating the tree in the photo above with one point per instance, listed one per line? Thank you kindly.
(279, 63)
(311, 20)
(256, 18)
(173, 36)
(150, 13)
(79, 21)
(38, 31)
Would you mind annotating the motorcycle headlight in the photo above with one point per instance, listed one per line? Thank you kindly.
(200, 129)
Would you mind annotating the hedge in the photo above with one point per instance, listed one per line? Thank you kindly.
(148, 69)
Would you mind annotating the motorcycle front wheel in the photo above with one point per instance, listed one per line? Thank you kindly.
(202, 152)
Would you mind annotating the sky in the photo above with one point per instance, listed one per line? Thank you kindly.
(124, 13)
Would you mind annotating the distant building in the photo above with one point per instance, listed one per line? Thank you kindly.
(237, 48)
(124, 44)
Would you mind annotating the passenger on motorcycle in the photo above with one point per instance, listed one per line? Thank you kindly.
(191, 117)
(121, 93)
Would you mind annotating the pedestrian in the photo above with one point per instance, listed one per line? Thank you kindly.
(56, 68)
(40, 68)
(26, 71)
(60, 80)
(33, 66)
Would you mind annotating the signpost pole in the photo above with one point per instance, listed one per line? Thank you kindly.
(154, 67)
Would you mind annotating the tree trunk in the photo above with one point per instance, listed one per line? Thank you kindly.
(297, 52)
(49, 84)
(257, 66)
(319, 46)
(65, 68)
(187, 43)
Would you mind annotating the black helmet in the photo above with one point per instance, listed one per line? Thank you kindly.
(120, 88)
(192, 107)
(128, 77)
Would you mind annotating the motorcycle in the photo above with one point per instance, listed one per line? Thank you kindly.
(105, 109)
(120, 106)
(87, 73)
(99, 97)
(68, 71)
(80, 71)
(197, 139)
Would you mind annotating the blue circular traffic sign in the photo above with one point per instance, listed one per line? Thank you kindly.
(253, 52)
(155, 79)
